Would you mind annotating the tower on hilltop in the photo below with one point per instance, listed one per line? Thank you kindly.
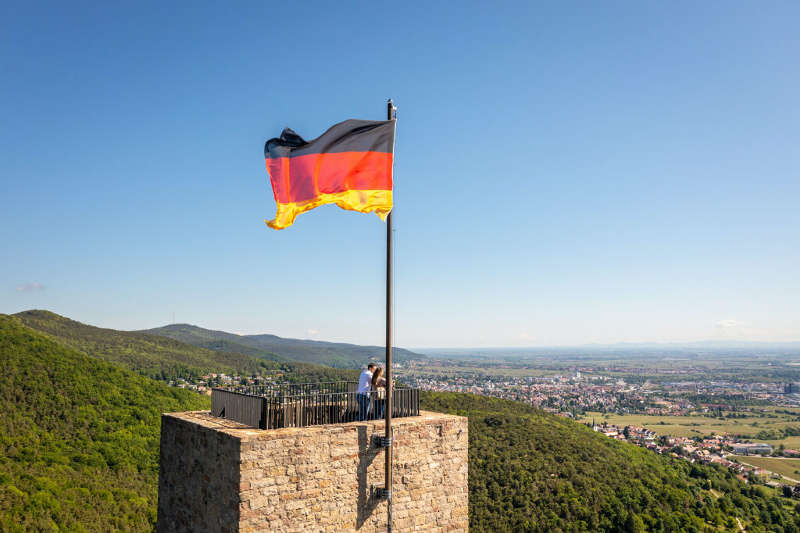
(301, 464)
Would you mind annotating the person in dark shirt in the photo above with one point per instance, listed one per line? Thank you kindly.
(379, 392)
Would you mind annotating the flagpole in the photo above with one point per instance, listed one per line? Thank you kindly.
(389, 389)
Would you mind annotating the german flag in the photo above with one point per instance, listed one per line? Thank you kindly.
(349, 165)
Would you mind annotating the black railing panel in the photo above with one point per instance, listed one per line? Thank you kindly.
(236, 406)
(305, 404)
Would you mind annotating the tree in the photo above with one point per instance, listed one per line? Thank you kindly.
(634, 524)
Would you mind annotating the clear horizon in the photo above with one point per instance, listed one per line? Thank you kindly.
(564, 176)
(714, 343)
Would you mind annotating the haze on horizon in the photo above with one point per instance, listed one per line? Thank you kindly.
(615, 173)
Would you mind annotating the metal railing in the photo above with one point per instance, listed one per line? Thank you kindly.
(308, 404)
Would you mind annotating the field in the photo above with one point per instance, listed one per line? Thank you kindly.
(789, 468)
(792, 443)
(698, 426)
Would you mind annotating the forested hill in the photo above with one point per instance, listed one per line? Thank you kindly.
(79, 451)
(335, 354)
(78, 437)
(164, 358)
(532, 471)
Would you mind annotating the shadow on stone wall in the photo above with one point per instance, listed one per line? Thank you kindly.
(367, 500)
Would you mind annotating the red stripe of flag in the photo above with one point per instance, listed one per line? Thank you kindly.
(330, 173)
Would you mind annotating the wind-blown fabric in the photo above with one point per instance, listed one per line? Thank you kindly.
(349, 165)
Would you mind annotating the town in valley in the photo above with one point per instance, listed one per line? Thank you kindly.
(735, 407)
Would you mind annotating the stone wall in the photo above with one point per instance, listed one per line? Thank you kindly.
(198, 484)
(217, 475)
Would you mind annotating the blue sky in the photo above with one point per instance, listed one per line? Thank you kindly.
(564, 174)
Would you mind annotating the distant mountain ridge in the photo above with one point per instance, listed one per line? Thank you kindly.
(162, 357)
(707, 348)
(335, 354)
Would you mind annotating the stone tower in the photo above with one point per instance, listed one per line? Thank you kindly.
(218, 475)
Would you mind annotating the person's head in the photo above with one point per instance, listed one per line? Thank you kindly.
(376, 375)
(371, 367)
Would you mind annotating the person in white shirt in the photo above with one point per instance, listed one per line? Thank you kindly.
(364, 388)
